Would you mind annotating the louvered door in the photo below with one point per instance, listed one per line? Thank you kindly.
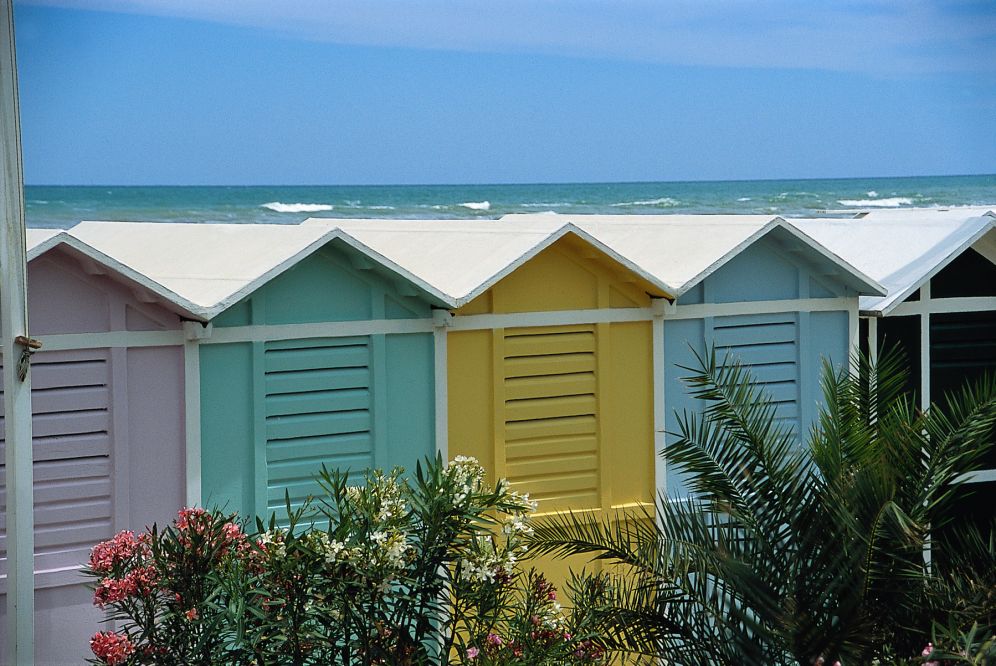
(768, 347)
(318, 411)
(71, 405)
(551, 415)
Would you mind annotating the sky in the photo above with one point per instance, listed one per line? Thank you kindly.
(243, 92)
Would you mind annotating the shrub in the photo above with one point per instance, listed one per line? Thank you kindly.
(394, 571)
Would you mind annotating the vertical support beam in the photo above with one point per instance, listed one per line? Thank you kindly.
(441, 320)
(925, 378)
(498, 401)
(604, 414)
(260, 500)
(853, 342)
(17, 393)
(194, 332)
(660, 412)
(873, 340)
(925, 346)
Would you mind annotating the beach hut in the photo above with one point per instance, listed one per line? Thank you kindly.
(311, 350)
(755, 289)
(108, 423)
(548, 353)
(939, 268)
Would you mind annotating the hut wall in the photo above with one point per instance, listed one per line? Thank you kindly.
(564, 412)
(273, 412)
(108, 427)
(784, 351)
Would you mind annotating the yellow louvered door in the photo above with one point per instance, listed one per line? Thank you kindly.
(551, 415)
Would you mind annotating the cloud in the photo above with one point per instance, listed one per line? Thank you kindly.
(880, 37)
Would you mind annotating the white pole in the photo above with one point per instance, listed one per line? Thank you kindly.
(17, 393)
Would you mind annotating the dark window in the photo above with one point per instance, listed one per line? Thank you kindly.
(970, 274)
(903, 333)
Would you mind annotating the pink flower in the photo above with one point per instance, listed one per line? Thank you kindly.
(495, 640)
(472, 653)
(927, 651)
(112, 590)
(111, 647)
(191, 614)
(120, 548)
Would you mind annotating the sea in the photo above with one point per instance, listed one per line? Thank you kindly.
(64, 206)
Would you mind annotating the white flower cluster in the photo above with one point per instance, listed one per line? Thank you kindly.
(523, 500)
(272, 541)
(485, 564)
(392, 548)
(332, 550)
(516, 523)
(385, 494)
(467, 475)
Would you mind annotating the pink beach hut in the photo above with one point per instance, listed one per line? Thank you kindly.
(108, 424)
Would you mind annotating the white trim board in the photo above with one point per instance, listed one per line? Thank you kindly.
(944, 305)
(262, 333)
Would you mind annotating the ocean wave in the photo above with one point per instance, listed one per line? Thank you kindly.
(871, 193)
(279, 207)
(380, 207)
(744, 199)
(892, 202)
(663, 202)
(477, 205)
(556, 204)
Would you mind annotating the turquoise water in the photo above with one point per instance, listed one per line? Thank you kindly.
(63, 206)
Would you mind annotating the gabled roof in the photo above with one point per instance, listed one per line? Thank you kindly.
(902, 249)
(39, 241)
(683, 250)
(208, 268)
(464, 258)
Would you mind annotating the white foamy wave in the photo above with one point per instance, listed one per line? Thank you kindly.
(744, 199)
(279, 207)
(663, 202)
(561, 204)
(892, 202)
(871, 193)
(477, 205)
(380, 207)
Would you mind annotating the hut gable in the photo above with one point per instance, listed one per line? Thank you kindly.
(71, 294)
(568, 275)
(333, 284)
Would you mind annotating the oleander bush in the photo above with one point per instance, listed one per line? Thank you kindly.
(395, 571)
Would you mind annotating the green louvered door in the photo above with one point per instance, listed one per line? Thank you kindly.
(318, 411)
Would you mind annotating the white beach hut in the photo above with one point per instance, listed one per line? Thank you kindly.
(939, 267)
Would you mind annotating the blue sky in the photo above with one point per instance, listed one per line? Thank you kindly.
(396, 91)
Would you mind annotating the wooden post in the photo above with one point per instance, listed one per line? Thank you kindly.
(17, 392)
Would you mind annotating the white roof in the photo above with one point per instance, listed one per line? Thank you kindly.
(207, 268)
(38, 241)
(902, 249)
(683, 250)
(464, 258)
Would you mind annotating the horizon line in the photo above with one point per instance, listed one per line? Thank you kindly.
(519, 183)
